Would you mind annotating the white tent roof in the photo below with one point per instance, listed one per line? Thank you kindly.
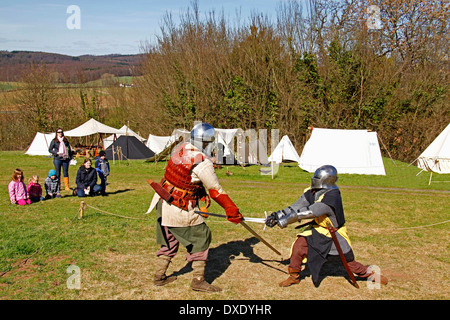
(350, 151)
(284, 151)
(159, 143)
(437, 156)
(125, 131)
(91, 126)
(40, 144)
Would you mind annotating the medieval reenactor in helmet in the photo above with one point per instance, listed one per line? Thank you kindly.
(321, 202)
(188, 179)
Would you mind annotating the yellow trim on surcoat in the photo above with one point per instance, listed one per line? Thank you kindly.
(321, 226)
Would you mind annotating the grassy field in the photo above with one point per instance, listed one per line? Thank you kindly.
(394, 222)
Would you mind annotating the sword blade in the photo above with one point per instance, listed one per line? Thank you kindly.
(259, 237)
(245, 226)
(256, 220)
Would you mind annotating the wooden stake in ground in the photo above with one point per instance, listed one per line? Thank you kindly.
(81, 210)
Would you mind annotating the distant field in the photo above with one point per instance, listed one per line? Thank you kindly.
(395, 222)
(8, 86)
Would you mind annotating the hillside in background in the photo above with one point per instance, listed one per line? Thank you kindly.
(68, 69)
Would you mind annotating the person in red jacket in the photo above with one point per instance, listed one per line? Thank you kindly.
(34, 189)
(189, 177)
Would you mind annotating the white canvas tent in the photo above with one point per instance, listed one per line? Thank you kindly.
(159, 143)
(436, 156)
(350, 151)
(126, 131)
(92, 126)
(39, 145)
(284, 151)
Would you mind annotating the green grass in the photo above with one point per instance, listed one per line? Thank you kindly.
(116, 254)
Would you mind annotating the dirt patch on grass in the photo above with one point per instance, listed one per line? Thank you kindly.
(248, 270)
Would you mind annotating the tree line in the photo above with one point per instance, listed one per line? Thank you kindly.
(377, 65)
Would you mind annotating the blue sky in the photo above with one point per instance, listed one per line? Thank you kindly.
(105, 26)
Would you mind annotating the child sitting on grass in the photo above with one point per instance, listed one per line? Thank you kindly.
(52, 185)
(34, 189)
(17, 190)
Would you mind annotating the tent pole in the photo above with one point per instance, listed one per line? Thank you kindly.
(386, 149)
(271, 162)
(431, 175)
(412, 162)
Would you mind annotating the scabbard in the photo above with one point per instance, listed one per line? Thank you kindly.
(332, 231)
(163, 193)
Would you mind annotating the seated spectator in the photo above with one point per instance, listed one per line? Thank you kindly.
(87, 180)
(34, 189)
(17, 190)
(52, 185)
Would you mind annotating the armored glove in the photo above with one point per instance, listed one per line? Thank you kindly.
(282, 220)
(272, 220)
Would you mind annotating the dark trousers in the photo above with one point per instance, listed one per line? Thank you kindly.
(61, 163)
(81, 194)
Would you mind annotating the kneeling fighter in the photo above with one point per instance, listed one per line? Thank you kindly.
(188, 176)
(321, 202)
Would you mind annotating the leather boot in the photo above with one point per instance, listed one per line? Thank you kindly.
(162, 263)
(198, 278)
(294, 278)
(66, 184)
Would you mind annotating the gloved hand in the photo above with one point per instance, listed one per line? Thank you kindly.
(231, 210)
(233, 214)
(272, 220)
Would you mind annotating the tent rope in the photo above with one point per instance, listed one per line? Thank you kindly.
(112, 214)
(406, 228)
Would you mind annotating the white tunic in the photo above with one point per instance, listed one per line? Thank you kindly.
(172, 216)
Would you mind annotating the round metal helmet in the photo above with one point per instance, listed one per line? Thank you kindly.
(203, 132)
(324, 177)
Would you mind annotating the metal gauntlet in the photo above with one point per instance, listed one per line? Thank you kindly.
(273, 219)
(295, 217)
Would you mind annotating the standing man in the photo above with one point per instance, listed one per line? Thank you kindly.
(323, 203)
(188, 176)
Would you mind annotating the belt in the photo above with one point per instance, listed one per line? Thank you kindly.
(181, 198)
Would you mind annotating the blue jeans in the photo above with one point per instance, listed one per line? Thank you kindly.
(81, 194)
(103, 185)
(65, 166)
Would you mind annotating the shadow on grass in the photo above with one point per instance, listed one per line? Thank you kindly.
(219, 258)
(72, 194)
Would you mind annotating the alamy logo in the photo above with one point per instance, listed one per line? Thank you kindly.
(74, 20)
(374, 21)
(74, 281)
